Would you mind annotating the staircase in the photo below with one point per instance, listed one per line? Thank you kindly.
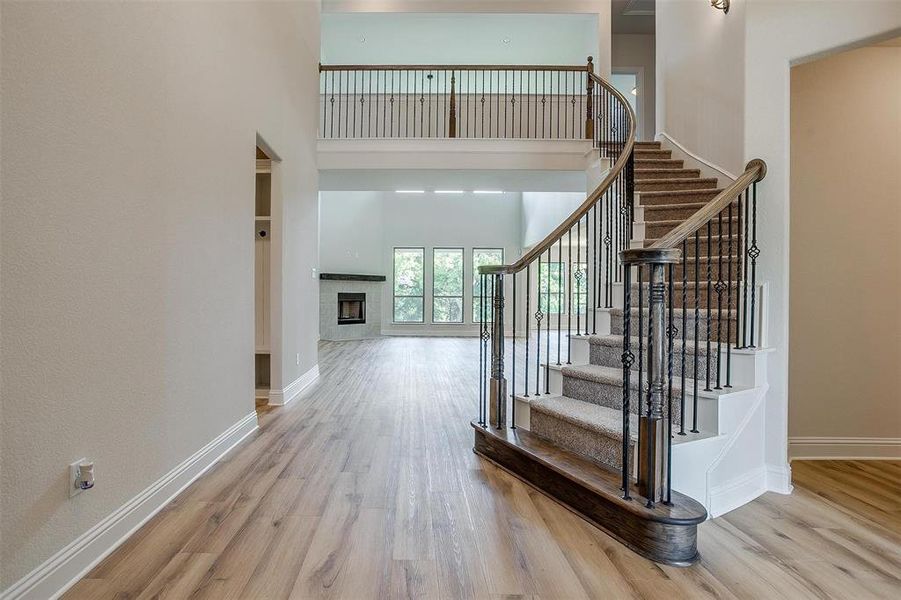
(635, 387)
(592, 413)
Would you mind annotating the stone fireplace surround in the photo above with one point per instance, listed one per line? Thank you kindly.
(330, 285)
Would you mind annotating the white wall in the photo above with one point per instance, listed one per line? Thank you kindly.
(543, 211)
(598, 9)
(441, 38)
(636, 53)
(127, 253)
(780, 33)
(850, 253)
(414, 220)
(700, 59)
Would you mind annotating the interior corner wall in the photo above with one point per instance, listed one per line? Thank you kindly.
(127, 246)
(637, 51)
(700, 60)
(850, 252)
(781, 33)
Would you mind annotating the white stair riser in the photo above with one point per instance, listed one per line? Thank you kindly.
(748, 366)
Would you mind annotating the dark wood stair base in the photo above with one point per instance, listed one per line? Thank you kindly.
(664, 534)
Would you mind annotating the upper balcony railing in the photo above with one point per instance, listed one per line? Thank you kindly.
(458, 101)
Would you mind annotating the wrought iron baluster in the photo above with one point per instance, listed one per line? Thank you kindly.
(641, 365)
(547, 333)
(729, 305)
(697, 306)
(684, 335)
(482, 332)
(719, 287)
(513, 311)
(709, 305)
(559, 298)
(595, 241)
(538, 317)
(525, 379)
(627, 359)
(744, 279)
(579, 276)
(754, 252)
(670, 334)
(571, 277)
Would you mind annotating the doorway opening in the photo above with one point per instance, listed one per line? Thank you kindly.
(263, 277)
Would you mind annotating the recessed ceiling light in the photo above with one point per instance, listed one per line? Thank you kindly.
(506, 40)
(488, 192)
(448, 191)
(409, 191)
(362, 39)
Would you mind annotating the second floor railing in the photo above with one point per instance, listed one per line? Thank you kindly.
(459, 101)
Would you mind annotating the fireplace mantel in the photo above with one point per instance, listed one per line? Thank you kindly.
(351, 277)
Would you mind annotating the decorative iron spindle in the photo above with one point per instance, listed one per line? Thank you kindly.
(719, 287)
(627, 359)
(754, 252)
(684, 336)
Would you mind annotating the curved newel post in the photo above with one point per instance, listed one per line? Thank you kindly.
(654, 443)
(497, 385)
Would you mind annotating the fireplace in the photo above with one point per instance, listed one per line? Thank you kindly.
(351, 308)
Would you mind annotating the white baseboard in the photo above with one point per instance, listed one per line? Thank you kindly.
(737, 491)
(850, 448)
(779, 478)
(66, 567)
(699, 161)
(293, 390)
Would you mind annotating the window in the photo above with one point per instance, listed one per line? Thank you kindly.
(482, 257)
(408, 286)
(447, 285)
(551, 287)
(580, 287)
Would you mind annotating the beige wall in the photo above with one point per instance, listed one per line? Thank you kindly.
(636, 51)
(127, 248)
(845, 269)
(700, 79)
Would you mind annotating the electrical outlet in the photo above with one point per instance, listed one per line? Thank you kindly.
(297, 359)
(74, 490)
(313, 272)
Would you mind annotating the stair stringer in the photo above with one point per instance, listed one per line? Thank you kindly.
(728, 470)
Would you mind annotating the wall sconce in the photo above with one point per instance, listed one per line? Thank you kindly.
(723, 5)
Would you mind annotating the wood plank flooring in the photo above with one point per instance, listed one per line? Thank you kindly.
(367, 487)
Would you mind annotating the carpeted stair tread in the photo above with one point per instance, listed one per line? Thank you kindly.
(614, 376)
(711, 192)
(615, 340)
(650, 172)
(702, 312)
(598, 419)
(675, 183)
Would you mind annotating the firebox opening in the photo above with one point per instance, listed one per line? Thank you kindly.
(351, 308)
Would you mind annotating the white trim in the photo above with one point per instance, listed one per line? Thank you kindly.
(293, 389)
(62, 570)
(738, 491)
(836, 448)
(662, 135)
(779, 478)
(742, 489)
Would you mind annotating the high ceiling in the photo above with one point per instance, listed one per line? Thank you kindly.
(633, 16)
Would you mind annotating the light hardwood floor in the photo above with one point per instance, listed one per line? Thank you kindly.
(367, 487)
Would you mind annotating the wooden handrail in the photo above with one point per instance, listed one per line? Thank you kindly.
(754, 172)
(574, 68)
(592, 199)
